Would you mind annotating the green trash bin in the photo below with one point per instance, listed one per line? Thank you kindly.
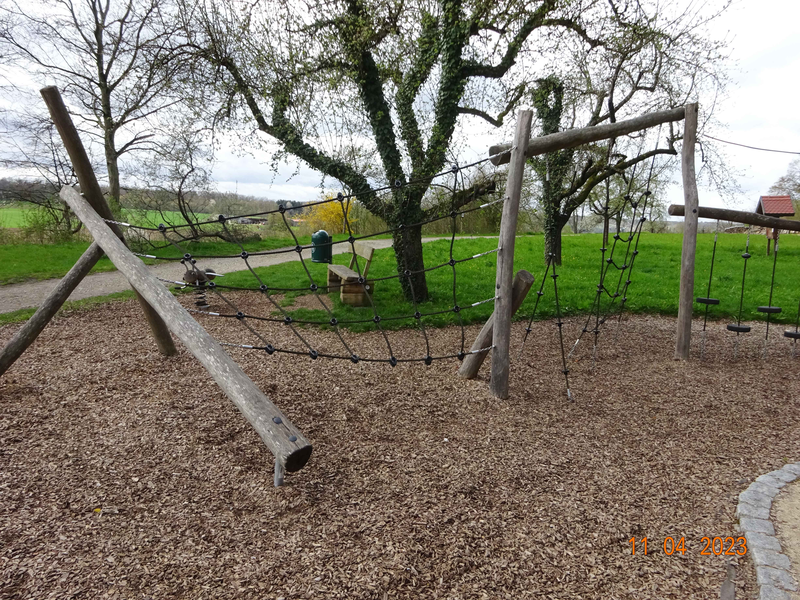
(321, 249)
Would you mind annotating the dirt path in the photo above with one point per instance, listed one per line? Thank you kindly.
(30, 295)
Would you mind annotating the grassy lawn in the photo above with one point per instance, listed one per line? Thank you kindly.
(654, 289)
(12, 216)
(23, 262)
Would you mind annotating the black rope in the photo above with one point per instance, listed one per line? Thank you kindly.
(539, 295)
(282, 208)
(769, 307)
(288, 250)
(560, 325)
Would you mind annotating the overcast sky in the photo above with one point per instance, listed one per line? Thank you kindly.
(761, 110)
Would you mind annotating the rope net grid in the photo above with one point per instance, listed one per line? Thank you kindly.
(256, 317)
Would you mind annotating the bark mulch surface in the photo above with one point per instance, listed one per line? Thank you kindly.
(125, 475)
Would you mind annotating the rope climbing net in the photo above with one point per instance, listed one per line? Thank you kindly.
(452, 183)
(635, 207)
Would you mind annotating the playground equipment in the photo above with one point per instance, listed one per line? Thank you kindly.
(165, 314)
(688, 257)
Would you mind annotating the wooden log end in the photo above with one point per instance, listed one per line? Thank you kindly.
(298, 459)
(675, 210)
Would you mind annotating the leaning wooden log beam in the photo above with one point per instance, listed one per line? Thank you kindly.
(284, 440)
(523, 281)
(94, 195)
(573, 138)
(34, 326)
(737, 216)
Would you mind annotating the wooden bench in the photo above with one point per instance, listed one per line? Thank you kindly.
(345, 279)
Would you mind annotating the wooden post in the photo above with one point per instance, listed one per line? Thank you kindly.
(523, 281)
(691, 200)
(31, 330)
(94, 195)
(572, 138)
(501, 338)
(283, 439)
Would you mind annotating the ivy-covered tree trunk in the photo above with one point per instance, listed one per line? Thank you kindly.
(552, 168)
(408, 252)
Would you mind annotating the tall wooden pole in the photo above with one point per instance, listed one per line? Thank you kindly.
(501, 338)
(284, 440)
(94, 195)
(691, 203)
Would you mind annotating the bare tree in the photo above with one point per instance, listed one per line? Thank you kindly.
(116, 61)
(31, 149)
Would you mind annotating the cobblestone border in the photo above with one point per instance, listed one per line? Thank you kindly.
(773, 568)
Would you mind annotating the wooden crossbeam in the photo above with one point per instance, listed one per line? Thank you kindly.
(285, 441)
(572, 138)
(737, 216)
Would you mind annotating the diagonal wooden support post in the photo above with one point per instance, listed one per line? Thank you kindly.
(94, 195)
(34, 326)
(291, 449)
(523, 281)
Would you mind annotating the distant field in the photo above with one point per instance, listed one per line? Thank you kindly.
(14, 216)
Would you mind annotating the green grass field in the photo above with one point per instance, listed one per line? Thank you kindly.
(654, 287)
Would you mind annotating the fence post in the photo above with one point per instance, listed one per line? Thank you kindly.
(691, 202)
(501, 339)
(94, 195)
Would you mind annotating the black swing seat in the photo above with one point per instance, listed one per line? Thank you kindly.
(707, 301)
(795, 335)
(739, 328)
(773, 310)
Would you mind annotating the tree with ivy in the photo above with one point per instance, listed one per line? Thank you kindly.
(661, 62)
(400, 80)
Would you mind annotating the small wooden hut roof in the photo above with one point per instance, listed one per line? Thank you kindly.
(775, 206)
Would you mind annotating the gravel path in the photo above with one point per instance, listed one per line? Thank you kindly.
(127, 475)
(30, 295)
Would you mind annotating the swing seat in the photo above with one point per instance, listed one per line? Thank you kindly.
(710, 301)
(773, 310)
(739, 328)
(794, 335)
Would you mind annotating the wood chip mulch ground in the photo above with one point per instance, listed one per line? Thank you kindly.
(125, 475)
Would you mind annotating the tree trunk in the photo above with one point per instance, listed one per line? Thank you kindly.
(408, 252)
(606, 220)
(113, 176)
(618, 219)
(552, 238)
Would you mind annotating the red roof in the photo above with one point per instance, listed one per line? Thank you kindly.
(775, 206)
